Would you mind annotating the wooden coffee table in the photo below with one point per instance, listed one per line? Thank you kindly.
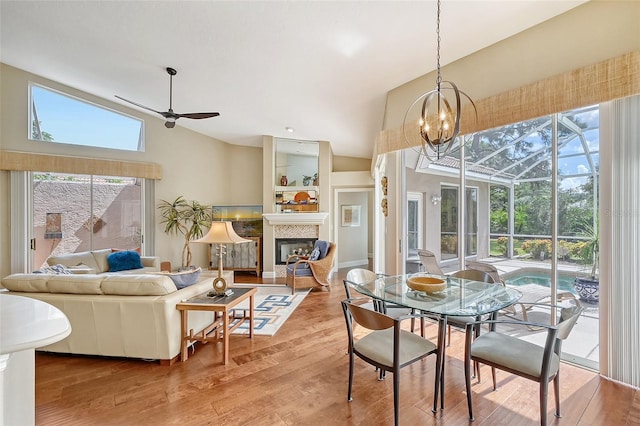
(222, 307)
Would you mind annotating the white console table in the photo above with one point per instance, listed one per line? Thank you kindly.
(25, 324)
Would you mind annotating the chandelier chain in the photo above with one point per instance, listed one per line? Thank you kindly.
(439, 77)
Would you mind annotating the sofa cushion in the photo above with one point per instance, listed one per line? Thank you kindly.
(138, 285)
(75, 284)
(75, 259)
(101, 259)
(30, 283)
(123, 261)
(300, 272)
(82, 269)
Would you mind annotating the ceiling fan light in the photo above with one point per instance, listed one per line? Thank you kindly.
(170, 123)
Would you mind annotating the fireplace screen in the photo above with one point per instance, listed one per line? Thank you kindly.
(286, 247)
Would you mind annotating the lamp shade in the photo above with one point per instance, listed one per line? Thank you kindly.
(221, 233)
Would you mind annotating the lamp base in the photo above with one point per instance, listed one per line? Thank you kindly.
(228, 292)
(219, 286)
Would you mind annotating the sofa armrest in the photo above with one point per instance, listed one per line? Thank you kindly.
(150, 262)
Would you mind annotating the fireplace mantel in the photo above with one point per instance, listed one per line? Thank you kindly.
(296, 218)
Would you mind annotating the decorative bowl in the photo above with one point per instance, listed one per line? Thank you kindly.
(426, 284)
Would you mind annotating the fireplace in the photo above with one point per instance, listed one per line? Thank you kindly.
(286, 247)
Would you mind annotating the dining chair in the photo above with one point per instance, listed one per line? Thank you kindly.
(357, 276)
(386, 346)
(461, 322)
(522, 358)
(531, 293)
(487, 268)
(429, 262)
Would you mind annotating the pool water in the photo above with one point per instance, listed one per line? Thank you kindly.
(565, 282)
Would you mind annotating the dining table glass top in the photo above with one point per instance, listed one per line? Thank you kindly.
(461, 297)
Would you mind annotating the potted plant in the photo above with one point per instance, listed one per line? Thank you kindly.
(191, 219)
(306, 180)
(589, 287)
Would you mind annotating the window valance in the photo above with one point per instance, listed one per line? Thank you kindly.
(611, 79)
(27, 161)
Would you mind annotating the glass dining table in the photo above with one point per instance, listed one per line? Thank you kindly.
(461, 297)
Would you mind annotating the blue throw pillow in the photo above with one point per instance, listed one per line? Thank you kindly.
(323, 246)
(123, 261)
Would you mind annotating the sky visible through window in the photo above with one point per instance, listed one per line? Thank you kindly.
(64, 119)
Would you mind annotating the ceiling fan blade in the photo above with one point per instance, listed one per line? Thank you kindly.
(138, 105)
(199, 115)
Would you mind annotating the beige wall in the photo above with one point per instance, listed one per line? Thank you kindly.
(195, 166)
(587, 34)
(351, 164)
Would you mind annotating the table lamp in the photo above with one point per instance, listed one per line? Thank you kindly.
(220, 233)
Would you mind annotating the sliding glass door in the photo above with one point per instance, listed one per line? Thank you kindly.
(449, 222)
(73, 213)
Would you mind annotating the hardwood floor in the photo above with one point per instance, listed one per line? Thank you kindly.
(299, 377)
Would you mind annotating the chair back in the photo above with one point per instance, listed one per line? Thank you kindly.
(357, 276)
(473, 274)
(360, 275)
(568, 318)
(367, 318)
(486, 267)
(429, 261)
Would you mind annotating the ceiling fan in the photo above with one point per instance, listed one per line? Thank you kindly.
(169, 115)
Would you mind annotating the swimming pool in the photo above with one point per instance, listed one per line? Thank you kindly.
(522, 277)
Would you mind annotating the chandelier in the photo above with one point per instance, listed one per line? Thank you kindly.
(439, 122)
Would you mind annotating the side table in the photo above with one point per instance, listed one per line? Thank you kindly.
(222, 306)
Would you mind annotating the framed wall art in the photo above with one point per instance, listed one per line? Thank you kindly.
(351, 216)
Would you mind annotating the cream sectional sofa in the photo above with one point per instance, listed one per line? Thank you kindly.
(115, 314)
(95, 262)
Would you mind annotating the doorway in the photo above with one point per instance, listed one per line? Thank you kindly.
(353, 232)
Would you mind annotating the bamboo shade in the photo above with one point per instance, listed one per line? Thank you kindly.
(27, 161)
(592, 84)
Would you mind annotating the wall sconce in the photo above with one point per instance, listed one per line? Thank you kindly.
(435, 199)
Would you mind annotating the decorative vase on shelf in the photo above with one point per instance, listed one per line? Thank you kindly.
(283, 180)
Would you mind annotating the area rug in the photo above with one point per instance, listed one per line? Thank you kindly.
(272, 307)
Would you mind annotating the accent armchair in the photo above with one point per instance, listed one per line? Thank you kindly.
(313, 270)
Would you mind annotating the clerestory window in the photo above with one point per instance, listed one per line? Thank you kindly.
(60, 118)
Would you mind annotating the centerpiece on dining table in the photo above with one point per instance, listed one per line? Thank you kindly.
(426, 284)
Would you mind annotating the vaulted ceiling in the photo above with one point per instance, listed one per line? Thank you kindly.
(322, 68)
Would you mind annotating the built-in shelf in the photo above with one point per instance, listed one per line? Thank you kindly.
(297, 188)
(296, 218)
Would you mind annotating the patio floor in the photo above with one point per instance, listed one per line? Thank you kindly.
(582, 346)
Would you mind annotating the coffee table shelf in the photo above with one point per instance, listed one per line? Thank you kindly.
(226, 318)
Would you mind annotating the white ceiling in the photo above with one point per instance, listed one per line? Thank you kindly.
(323, 68)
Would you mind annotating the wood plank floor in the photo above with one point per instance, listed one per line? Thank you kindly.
(299, 377)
